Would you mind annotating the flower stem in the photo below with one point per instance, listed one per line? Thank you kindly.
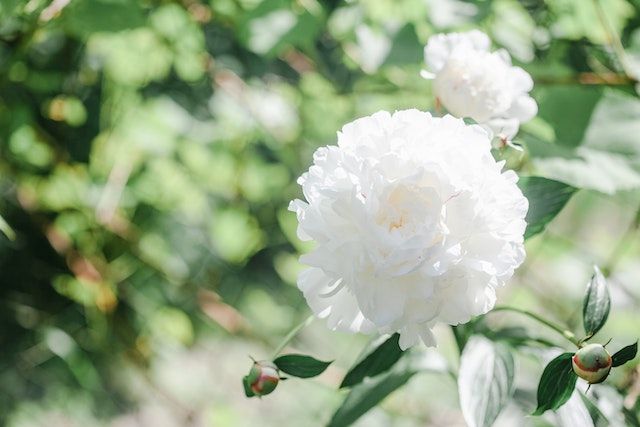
(568, 335)
(291, 335)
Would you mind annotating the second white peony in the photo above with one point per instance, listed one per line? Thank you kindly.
(471, 81)
(414, 221)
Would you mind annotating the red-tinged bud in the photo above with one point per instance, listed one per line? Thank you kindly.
(592, 363)
(262, 379)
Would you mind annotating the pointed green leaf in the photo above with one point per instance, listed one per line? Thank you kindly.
(301, 366)
(379, 360)
(626, 354)
(546, 199)
(369, 393)
(247, 387)
(597, 303)
(556, 384)
(485, 381)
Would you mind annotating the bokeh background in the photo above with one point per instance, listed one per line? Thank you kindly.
(148, 153)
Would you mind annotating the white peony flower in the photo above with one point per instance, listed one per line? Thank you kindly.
(414, 221)
(471, 81)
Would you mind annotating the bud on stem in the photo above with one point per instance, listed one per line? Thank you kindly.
(592, 363)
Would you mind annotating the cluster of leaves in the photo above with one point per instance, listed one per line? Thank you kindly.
(558, 378)
(486, 374)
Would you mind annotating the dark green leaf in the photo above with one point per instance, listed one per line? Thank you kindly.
(375, 362)
(301, 366)
(556, 384)
(546, 199)
(596, 305)
(626, 354)
(247, 387)
(366, 395)
(485, 381)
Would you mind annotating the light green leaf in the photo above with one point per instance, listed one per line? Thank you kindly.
(485, 381)
(377, 360)
(6, 229)
(274, 26)
(546, 199)
(576, 19)
(556, 384)
(595, 145)
(596, 305)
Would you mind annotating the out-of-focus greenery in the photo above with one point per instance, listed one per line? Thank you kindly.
(148, 153)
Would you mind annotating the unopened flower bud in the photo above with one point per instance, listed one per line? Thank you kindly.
(592, 363)
(263, 378)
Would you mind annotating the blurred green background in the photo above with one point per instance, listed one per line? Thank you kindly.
(148, 153)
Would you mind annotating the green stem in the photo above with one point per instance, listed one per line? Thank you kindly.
(613, 38)
(568, 335)
(291, 335)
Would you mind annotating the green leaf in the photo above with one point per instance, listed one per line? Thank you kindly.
(368, 394)
(274, 26)
(85, 17)
(595, 144)
(598, 418)
(375, 362)
(626, 354)
(485, 380)
(556, 384)
(301, 366)
(596, 305)
(631, 417)
(546, 199)
(247, 387)
(6, 229)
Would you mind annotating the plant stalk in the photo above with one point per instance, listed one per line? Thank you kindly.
(568, 335)
(292, 335)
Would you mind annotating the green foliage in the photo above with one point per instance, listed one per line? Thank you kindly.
(375, 361)
(364, 396)
(301, 366)
(624, 355)
(485, 380)
(556, 384)
(546, 199)
(148, 151)
(597, 303)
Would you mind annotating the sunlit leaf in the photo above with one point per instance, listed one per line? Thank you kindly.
(485, 381)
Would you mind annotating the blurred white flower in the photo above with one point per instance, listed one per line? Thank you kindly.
(471, 81)
(414, 221)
